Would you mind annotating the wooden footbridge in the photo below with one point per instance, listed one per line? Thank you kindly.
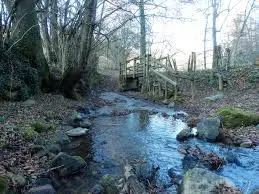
(149, 77)
(156, 77)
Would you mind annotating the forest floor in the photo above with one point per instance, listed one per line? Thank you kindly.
(16, 159)
(247, 100)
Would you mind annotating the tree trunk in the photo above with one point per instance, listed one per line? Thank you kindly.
(83, 68)
(26, 36)
(1, 26)
(143, 44)
(45, 31)
(54, 29)
(214, 34)
(87, 33)
(204, 44)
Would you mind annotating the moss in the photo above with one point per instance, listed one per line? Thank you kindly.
(40, 127)
(233, 117)
(3, 185)
(29, 133)
(79, 158)
(108, 182)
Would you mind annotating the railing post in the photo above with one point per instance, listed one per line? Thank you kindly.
(166, 90)
(134, 66)
(126, 69)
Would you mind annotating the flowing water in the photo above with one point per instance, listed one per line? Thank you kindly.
(148, 134)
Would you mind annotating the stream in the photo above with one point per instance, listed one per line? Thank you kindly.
(147, 135)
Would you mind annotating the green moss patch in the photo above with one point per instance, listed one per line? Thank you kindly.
(233, 117)
(3, 185)
(29, 133)
(41, 127)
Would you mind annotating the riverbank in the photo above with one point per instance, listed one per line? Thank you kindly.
(207, 104)
(19, 164)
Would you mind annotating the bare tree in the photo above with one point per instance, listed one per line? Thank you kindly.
(249, 7)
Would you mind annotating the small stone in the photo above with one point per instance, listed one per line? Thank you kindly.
(165, 101)
(246, 144)
(54, 148)
(97, 189)
(184, 134)
(46, 189)
(171, 105)
(85, 123)
(257, 126)
(77, 117)
(29, 102)
(76, 132)
(215, 97)
(18, 180)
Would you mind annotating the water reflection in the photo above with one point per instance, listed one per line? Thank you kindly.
(143, 120)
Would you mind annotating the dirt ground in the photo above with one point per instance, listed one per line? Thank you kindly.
(247, 100)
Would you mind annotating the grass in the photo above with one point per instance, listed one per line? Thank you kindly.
(40, 127)
(29, 133)
(234, 117)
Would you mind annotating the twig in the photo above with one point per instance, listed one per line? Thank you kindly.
(21, 37)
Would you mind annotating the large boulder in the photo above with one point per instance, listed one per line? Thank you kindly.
(67, 165)
(184, 134)
(208, 129)
(56, 141)
(198, 180)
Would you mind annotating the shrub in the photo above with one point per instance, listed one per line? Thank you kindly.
(233, 117)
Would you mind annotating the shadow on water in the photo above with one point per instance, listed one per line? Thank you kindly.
(143, 137)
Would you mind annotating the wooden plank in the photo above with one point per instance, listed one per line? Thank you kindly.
(135, 58)
(163, 77)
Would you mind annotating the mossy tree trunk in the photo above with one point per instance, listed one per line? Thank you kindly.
(26, 35)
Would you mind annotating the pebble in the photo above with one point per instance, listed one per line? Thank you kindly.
(246, 144)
